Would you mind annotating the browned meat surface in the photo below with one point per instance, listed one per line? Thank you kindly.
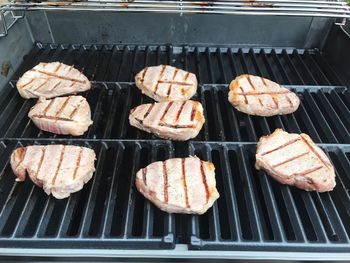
(179, 185)
(166, 83)
(258, 96)
(49, 80)
(294, 159)
(59, 169)
(62, 115)
(176, 120)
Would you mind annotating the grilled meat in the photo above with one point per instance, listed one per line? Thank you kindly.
(294, 159)
(258, 96)
(178, 185)
(59, 169)
(63, 115)
(176, 120)
(50, 80)
(166, 83)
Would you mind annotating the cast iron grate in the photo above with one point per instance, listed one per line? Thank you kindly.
(253, 213)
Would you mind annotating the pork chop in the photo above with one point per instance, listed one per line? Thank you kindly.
(294, 159)
(49, 80)
(166, 83)
(176, 120)
(178, 185)
(62, 115)
(258, 96)
(59, 169)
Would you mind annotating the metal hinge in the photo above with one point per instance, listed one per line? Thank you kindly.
(8, 19)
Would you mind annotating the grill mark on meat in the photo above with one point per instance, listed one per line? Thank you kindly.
(51, 117)
(159, 79)
(281, 146)
(165, 176)
(186, 76)
(144, 176)
(204, 180)
(170, 86)
(289, 100)
(57, 84)
(180, 110)
(174, 82)
(25, 85)
(176, 126)
(23, 155)
(166, 110)
(59, 165)
(43, 84)
(149, 110)
(314, 151)
(70, 68)
(193, 112)
(77, 163)
(263, 81)
(291, 159)
(47, 107)
(143, 75)
(40, 162)
(308, 171)
(263, 93)
(76, 109)
(244, 95)
(253, 87)
(184, 182)
(275, 100)
(58, 76)
(58, 113)
(57, 68)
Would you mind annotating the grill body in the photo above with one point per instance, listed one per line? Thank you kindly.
(255, 217)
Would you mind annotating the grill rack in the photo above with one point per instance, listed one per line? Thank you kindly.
(311, 8)
(254, 213)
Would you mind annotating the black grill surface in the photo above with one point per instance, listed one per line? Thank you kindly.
(254, 212)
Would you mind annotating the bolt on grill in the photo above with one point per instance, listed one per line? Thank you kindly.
(253, 213)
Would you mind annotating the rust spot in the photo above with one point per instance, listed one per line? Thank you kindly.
(204, 4)
(61, 3)
(5, 68)
(257, 3)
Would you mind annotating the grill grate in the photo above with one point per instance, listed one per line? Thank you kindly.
(312, 8)
(253, 213)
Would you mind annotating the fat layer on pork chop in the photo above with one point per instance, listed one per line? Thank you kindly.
(176, 120)
(59, 169)
(62, 115)
(179, 185)
(49, 80)
(166, 83)
(259, 96)
(294, 159)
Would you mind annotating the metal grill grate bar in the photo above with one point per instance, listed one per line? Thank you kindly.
(258, 7)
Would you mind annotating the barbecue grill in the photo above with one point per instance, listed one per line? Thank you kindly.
(302, 44)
